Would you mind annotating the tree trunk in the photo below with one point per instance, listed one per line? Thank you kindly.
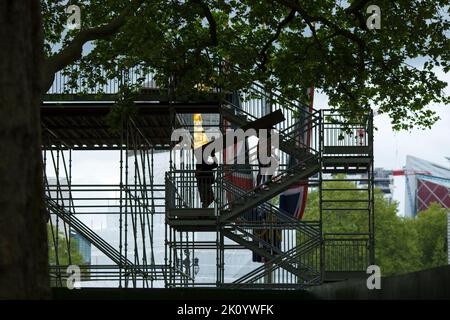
(23, 240)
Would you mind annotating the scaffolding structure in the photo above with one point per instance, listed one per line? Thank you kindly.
(289, 253)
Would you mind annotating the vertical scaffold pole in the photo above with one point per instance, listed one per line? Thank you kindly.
(322, 241)
(372, 199)
(121, 202)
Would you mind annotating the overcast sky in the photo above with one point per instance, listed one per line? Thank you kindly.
(392, 147)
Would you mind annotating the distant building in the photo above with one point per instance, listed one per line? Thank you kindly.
(383, 180)
(425, 183)
(83, 246)
(62, 196)
(59, 192)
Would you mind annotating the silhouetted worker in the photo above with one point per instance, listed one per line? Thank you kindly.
(204, 175)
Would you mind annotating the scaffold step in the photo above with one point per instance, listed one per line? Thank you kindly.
(347, 180)
(344, 171)
(345, 209)
(198, 224)
(190, 213)
(346, 160)
(333, 276)
(346, 189)
(346, 201)
(345, 150)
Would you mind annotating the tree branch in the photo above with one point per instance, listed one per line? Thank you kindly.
(310, 20)
(294, 5)
(325, 56)
(283, 23)
(73, 51)
(211, 22)
(357, 5)
(355, 9)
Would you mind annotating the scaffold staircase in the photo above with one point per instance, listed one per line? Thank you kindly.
(93, 238)
(231, 214)
(333, 146)
(241, 232)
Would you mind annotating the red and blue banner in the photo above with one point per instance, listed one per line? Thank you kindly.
(293, 200)
(242, 177)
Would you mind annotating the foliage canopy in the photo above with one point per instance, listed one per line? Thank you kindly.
(286, 44)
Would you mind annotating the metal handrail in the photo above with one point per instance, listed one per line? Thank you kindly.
(278, 211)
(281, 175)
(286, 133)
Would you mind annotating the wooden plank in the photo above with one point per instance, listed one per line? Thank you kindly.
(266, 122)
